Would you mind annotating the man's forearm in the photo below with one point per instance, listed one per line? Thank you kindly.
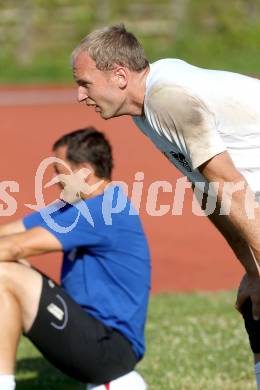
(246, 229)
(9, 250)
(236, 242)
(237, 202)
(11, 228)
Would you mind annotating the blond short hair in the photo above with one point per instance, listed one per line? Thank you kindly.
(113, 45)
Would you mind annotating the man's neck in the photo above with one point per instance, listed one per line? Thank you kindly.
(136, 95)
(97, 186)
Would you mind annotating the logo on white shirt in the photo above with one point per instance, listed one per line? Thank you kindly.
(180, 158)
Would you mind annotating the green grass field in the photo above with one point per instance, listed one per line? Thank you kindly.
(194, 341)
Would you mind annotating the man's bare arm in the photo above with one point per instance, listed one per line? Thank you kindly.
(220, 169)
(32, 242)
(235, 241)
(12, 228)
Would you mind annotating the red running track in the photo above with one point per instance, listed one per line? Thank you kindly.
(187, 252)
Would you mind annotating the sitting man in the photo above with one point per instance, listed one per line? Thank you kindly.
(92, 327)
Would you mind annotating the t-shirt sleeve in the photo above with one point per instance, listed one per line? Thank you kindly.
(184, 118)
(69, 226)
(32, 220)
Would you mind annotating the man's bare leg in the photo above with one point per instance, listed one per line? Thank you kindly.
(20, 290)
(11, 326)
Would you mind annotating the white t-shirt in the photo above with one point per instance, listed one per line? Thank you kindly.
(193, 114)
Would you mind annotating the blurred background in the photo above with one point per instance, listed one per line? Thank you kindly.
(192, 338)
(37, 36)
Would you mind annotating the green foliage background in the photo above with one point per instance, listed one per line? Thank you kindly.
(37, 36)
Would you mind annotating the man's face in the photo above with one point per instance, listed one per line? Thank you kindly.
(71, 182)
(100, 89)
(61, 153)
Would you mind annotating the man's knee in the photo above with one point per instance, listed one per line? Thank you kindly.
(252, 326)
(7, 274)
(25, 284)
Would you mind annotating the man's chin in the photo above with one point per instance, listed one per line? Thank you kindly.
(106, 115)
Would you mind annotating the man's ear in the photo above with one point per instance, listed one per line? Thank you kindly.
(86, 170)
(86, 166)
(121, 76)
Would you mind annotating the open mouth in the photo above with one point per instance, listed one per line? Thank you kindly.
(92, 104)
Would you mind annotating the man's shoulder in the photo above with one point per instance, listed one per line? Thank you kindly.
(113, 201)
(166, 68)
(169, 98)
(163, 63)
(170, 76)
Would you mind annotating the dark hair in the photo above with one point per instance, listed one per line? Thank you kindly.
(88, 145)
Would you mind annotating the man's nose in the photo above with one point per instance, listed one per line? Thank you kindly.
(82, 94)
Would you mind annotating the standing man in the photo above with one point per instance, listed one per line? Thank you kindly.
(92, 326)
(206, 122)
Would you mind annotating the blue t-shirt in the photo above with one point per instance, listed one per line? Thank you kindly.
(106, 264)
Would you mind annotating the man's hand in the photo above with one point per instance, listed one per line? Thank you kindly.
(249, 287)
(9, 249)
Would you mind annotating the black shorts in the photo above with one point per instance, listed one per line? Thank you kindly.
(252, 326)
(76, 343)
